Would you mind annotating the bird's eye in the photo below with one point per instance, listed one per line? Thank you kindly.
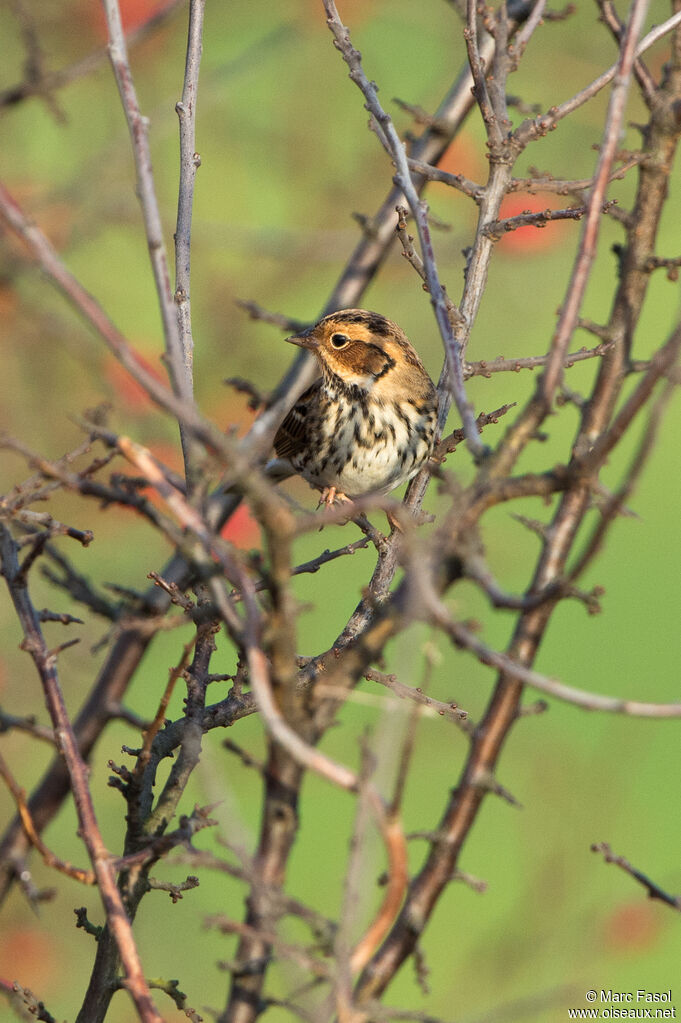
(339, 340)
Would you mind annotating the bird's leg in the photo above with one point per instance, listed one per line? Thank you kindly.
(330, 496)
(327, 497)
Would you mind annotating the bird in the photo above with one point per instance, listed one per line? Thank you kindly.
(368, 423)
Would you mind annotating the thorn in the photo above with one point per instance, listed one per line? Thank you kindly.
(473, 882)
(485, 780)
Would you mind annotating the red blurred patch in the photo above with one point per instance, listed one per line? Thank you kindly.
(168, 453)
(229, 410)
(242, 530)
(28, 956)
(8, 304)
(634, 927)
(126, 387)
(55, 217)
(464, 157)
(134, 13)
(530, 238)
(354, 13)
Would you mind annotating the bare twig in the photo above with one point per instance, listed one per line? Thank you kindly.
(587, 249)
(463, 637)
(26, 724)
(453, 349)
(49, 82)
(457, 181)
(151, 732)
(49, 858)
(546, 183)
(189, 163)
(538, 219)
(45, 663)
(284, 949)
(25, 1002)
(645, 80)
(450, 711)
(615, 503)
(396, 846)
(174, 890)
(653, 889)
(314, 564)
(485, 368)
(670, 265)
(177, 345)
(540, 126)
(256, 312)
(452, 440)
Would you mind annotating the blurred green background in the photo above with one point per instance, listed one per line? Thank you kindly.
(286, 158)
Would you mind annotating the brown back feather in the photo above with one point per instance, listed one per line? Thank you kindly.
(293, 434)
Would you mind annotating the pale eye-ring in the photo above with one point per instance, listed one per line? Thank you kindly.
(340, 340)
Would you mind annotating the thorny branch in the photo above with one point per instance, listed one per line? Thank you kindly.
(190, 161)
(587, 250)
(45, 662)
(213, 587)
(364, 262)
(504, 705)
(418, 208)
(138, 127)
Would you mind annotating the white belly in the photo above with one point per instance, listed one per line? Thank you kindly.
(374, 455)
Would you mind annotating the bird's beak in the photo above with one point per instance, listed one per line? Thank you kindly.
(305, 339)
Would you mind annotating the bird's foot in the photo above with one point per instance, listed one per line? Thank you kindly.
(331, 496)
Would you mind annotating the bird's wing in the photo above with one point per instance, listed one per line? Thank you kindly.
(293, 434)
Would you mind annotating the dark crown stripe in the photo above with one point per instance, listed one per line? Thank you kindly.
(376, 323)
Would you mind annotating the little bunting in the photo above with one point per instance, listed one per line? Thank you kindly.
(368, 423)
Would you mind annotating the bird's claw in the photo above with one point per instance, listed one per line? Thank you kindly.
(330, 495)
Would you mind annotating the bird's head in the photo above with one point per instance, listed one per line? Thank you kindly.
(364, 349)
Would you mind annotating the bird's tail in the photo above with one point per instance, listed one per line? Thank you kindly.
(278, 469)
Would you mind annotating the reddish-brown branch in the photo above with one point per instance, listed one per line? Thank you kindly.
(46, 666)
(587, 250)
(49, 858)
(393, 838)
(502, 712)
